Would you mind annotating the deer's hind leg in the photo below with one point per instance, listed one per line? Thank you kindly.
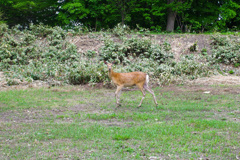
(150, 91)
(140, 86)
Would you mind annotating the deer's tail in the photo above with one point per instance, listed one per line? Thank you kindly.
(147, 80)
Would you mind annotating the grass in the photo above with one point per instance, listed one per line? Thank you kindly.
(78, 123)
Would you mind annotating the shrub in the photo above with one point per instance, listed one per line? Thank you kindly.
(41, 30)
(192, 67)
(204, 51)
(3, 29)
(121, 30)
(88, 72)
(219, 40)
(225, 50)
(112, 51)
(78, 30)
(194, 47)
(161, 54)
(134, 47)
(41, 53)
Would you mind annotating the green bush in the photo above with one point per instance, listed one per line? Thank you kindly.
(134, 47)
(121, 30)
(194, 47)
(225, 50)
(112, 51)
(204, 51)
(41, 30)
(3, 29)
(88, 72)
(192, 67)
(40, 53)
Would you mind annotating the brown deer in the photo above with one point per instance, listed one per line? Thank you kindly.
(139, 79)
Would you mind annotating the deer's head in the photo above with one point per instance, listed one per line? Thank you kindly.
(109, 65)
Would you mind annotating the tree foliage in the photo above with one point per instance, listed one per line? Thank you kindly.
(24, 12)
(188, 15)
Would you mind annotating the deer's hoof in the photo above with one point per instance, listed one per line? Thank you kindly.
(117, 106)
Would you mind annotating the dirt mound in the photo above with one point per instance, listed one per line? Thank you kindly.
(180, 44)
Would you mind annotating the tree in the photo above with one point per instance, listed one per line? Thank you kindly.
(228, 14)
(189, 15)
(89, 13)
(1, 17)
(202, 15)
(171, 16)
(71, 11)
(97, 14)
(149, 14)
(123, 8)
(24, 12)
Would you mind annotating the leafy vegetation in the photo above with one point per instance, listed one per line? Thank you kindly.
(161, 15)
(45, 53)
(40, 53)
(134, 47)
(226, 50)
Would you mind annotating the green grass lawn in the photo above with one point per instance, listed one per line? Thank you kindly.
(78, 123)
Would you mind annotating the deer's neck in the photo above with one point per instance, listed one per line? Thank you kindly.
(111, 73)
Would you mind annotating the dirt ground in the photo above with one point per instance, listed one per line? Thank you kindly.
(230, 84)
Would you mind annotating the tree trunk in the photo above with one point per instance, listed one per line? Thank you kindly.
(171, 18)
(96, 25)
(123, 17)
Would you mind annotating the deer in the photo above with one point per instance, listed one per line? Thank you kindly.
(140, 79)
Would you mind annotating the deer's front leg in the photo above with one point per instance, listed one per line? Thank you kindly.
(117, 94)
